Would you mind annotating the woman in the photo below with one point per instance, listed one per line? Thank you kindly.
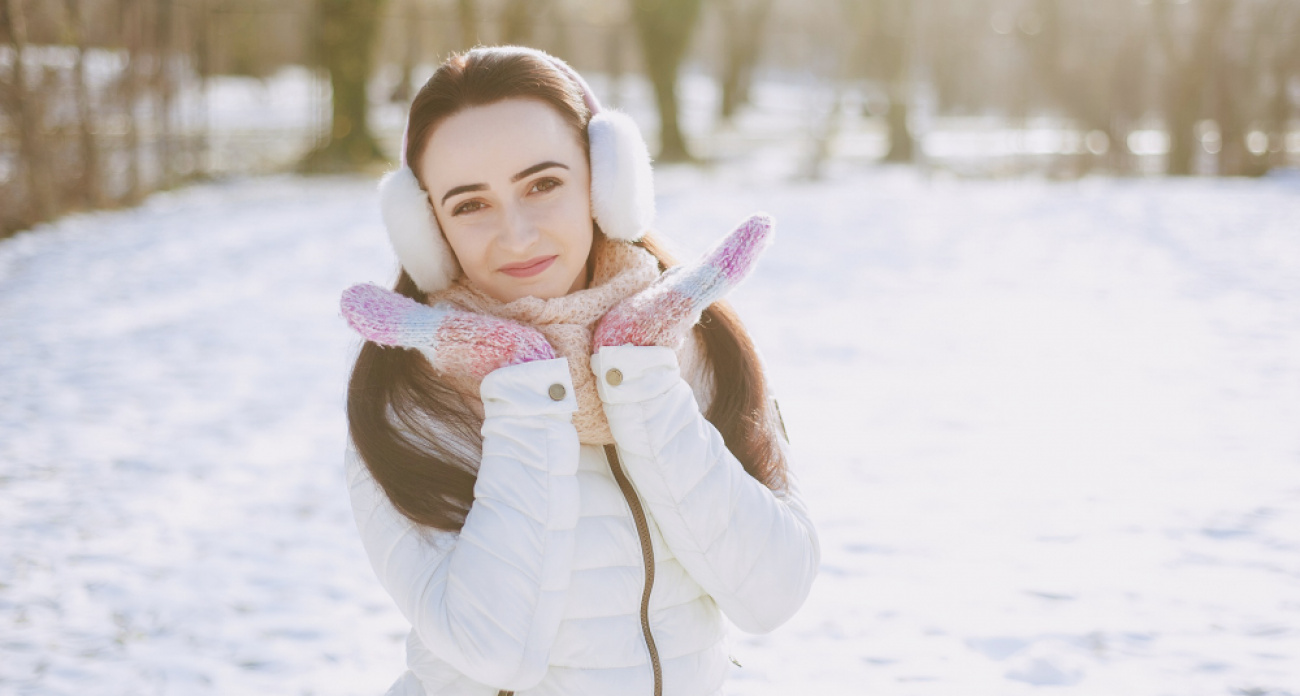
(563, 461)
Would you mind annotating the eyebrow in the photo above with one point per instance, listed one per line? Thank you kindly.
(480, 187)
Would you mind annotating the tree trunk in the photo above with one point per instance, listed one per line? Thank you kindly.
(1288, 68)
(1044, 47)
(202, 29)
(665, 28)
(348, 29)
(33, 152)
(1279, 106)
(1188, 69)
(1232, 90)
(895, 36)
(1119, 100)
(742, 26)
(901, 146)
(163, 93)
(825, 138)
(405, 90)
(1127, 96)
(132, 30)
(91, 190)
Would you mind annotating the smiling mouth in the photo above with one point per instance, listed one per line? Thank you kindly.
(528, 268)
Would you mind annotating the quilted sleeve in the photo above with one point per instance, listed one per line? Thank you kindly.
(488, 600)
(755, 551)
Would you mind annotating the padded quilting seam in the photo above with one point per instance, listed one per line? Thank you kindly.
(676, 510)
(547, 454)
(731, 515)
(487, 615)
(522, 513)
(522, 571)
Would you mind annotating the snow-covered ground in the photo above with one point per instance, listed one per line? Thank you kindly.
(1050, 433)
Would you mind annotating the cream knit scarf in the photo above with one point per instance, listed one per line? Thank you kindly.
(621, 270)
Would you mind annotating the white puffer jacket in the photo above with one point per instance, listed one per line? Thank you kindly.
(588, 570)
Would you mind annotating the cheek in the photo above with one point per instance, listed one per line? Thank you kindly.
(576, 231)
(573, 216)
(470, 250)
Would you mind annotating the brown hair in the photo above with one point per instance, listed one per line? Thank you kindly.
(415, 434)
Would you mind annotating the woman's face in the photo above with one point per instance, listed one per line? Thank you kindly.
(511, 187)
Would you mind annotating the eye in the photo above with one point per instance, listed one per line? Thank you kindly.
(464, 207)
(544, 185)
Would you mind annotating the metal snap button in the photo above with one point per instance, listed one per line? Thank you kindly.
(556, 392)
(614, 377)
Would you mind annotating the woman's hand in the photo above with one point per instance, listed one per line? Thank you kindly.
(454, 341)
(662, 314)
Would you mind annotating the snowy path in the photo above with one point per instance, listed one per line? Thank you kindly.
(1050, 432)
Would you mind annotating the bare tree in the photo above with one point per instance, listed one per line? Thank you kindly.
(1041, 32)
(90, 188)
(163, 89)
(345, 46)
(1236, 78)
(665, 28)
(27, 104)
(1100, 87)
(1284, 67)
(1188, 39)
(131, 29)
(742, 37)
(889, 37)
(404, 90)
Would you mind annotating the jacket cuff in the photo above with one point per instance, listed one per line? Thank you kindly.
(628, 374)
(540, 387)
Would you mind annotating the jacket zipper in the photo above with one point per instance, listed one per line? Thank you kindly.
(647, 555)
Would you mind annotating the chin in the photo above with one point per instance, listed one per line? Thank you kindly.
(543, 290)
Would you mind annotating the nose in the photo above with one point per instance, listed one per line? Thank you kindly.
(520, 231)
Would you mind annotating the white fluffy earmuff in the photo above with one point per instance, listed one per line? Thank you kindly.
(622, 194)
(414, 233)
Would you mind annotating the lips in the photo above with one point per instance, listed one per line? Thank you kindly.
(528, 268)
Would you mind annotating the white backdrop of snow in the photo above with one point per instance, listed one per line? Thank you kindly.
(1050, 433)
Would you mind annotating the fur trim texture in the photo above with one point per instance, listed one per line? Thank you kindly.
(414, 233)
(622, 182)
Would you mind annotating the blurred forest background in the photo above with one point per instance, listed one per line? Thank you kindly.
(103, 101)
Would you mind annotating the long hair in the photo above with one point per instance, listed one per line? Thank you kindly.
(414, 432)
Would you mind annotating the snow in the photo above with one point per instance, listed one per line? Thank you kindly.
(1048, 432)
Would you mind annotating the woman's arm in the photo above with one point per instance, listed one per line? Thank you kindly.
(753, 550)
(488, 600)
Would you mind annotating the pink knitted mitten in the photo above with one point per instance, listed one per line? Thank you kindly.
(454, 341)
(662, 314)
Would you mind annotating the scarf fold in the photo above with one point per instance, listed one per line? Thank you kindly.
(621, 270)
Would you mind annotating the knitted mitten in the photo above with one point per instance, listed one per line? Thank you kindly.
(663, 314)
(455, 342)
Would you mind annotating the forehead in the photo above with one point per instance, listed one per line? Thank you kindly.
(488, 144)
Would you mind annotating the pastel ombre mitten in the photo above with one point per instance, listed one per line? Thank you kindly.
(663, 314)
(455, 342)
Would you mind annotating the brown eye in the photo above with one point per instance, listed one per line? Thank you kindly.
(464, 207)
(544, 185)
